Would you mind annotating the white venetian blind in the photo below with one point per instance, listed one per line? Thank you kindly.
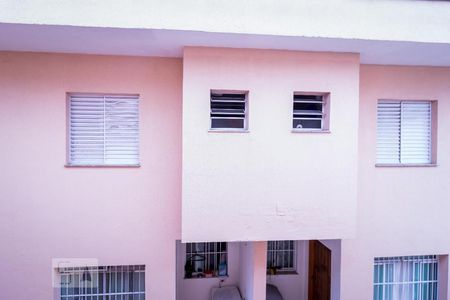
(404, 132)
(103, 130)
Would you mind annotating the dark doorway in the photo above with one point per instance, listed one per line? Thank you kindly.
(319, 286)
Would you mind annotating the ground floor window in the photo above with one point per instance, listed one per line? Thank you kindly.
(206, 260)
(406, 277)
(281, 256)
(106, 282)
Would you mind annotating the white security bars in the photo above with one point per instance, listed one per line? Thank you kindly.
(407, 277)
(281, 255)
(404, 132)
(309, 112)
(206, 260)
(229, 110)
(103, 130)
(102, 283)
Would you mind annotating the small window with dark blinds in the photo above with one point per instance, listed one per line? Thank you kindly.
(229, 110)
(103, 130)
(404, 132)
(309, 112)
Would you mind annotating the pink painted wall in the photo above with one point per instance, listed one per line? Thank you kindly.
(401, 211)
(283, 185)
(118, 215)
(269, 183)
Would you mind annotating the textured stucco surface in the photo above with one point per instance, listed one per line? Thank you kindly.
(120, 216)
(269, 183)
(401, 211)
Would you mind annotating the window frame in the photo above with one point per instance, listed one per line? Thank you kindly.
(109, 275)
(283, 270)
(246, 111)
(71, 164)
(325, 120)
(433, 134)
(216, 271)
(389, 273)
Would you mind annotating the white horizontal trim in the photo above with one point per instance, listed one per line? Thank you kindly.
(102, 166)
(232, 130)
(170, 43)
(310, 130)
(395, 165)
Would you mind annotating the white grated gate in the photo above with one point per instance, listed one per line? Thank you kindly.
(281, 255)
(406, 277)
(101, 283)
(211, 258)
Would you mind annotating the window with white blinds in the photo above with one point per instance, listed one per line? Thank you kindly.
(404, 132)
(103, 130)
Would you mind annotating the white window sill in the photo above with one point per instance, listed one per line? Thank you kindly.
(229, 130)
(404, 165)
(212, 277)
(102, 166)
(283, 273)
(309, 131)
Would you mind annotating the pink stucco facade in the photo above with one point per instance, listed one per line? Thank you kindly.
(194, 185)
(120, 216)
(401, 210)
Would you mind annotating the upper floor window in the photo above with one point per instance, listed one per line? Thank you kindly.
(310, 112)
(206, 260)
(105, 282)
(404, 132)
(103, 130)
(407, 277)
(229, 110)
(281, 256)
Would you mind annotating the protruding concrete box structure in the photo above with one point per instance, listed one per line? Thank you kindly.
(269, 182)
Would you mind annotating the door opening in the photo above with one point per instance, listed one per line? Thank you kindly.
(319, 286)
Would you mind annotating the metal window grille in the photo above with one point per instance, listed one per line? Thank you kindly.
(206, 259)
(281, 255)
(103, 130)
(101, 283)
(404, 132)
(407, 277)
(229, 110)
(308, 112)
